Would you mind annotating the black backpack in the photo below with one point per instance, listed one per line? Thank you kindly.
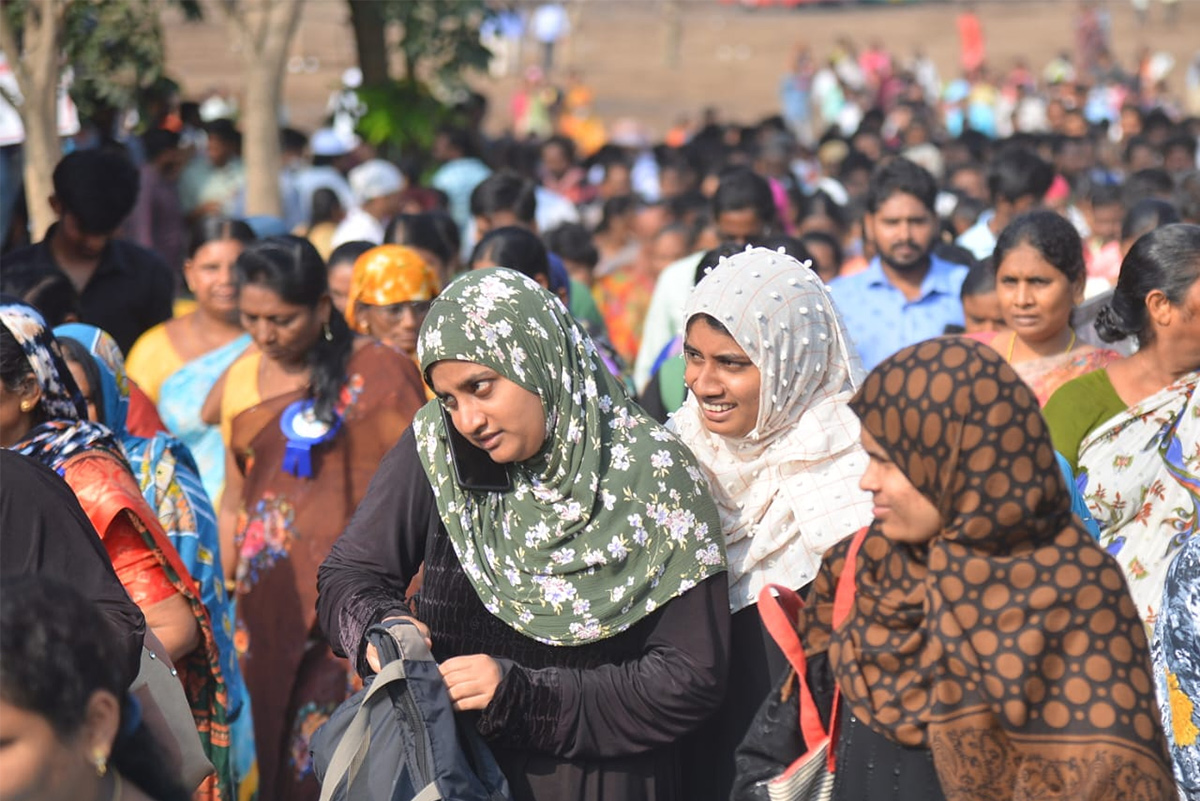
(397, 738)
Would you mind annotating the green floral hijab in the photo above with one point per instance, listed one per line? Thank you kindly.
(610, 520)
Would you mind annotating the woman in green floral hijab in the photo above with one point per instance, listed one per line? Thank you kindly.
(607, 520)
(574, 572)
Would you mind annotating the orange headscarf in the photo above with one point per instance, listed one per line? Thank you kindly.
(389, 274)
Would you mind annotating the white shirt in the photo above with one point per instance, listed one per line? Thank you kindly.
(979, 238)
(358, 225)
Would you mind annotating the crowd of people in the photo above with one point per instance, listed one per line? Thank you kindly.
(574, 407)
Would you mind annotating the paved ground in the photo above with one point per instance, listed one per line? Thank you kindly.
(730, 58)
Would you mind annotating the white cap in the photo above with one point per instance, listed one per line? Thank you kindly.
(375, 178)
(330, 142)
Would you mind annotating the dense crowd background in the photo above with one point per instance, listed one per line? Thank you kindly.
(239, 407)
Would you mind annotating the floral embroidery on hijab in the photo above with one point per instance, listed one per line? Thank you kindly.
(609, 521)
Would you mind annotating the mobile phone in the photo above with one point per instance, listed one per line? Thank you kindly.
(473, 466)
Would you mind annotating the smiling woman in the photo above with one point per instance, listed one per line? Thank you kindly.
(771, 369)
(1040, 278)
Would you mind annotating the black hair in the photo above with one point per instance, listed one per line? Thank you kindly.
(1136, 141)
(1189, 197)
(75, 351)
(1051, 235)
(226, 131)
(505, 191)
(980, 280)
(712, 258)
(1016, 173)
(292, 268)
(218, 229)
(59, 651)
(1146, 215)
(348, 252)
(459, 139)
(291, 139)
(615, 207)
(1181, 139)
(98, 188)
(1166, 259)
(515, 248)
(901, 176)
(856, 161)
(157, 141)
(788, 244)
(564, 143)
(969, 208)
(821, 204)
(51, 293)
(1152, 182)
(829, 241)
(15, 369)
(741, 188)
(434, 231)
(325, 203)
(572, 242)
(1105, 195)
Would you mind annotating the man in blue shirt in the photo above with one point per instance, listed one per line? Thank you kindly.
(906, 294)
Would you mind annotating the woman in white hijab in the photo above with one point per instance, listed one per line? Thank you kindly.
(770, 370)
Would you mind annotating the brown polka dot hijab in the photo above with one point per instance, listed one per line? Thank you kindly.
(1008, 644)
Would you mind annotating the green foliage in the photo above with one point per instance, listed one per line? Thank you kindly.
(114, 48)
(439, 43)
(439, 39)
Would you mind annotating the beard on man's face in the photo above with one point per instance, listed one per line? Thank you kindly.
(905, 257)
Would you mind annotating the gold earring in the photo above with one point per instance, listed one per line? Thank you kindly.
(26, 405)
(101, 764)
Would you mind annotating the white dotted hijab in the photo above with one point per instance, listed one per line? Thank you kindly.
(788, 490)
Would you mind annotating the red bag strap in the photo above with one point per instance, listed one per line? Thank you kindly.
(778, 606)
(843, 604)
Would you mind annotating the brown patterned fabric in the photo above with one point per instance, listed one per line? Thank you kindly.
(1008, 644)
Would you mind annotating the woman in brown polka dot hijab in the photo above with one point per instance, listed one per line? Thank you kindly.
(1002, 641)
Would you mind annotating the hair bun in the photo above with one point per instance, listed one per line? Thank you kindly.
(1110, 326)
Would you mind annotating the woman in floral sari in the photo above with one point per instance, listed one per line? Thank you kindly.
(1133, 429)
(299, 463)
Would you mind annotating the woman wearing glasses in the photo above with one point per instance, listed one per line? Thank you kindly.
(390, 294)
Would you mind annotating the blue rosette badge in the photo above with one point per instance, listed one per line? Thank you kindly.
(304, 431)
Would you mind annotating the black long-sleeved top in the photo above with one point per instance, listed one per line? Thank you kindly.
(591, 721)
(44, 531)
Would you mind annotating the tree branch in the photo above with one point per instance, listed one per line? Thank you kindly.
(234, 16)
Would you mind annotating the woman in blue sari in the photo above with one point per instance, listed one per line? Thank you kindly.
(177, 363)
(170, 482)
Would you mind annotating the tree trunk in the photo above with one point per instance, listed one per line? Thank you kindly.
(37, 73)
(369, 40)
(266, 27)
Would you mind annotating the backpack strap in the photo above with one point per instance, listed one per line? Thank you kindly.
(393, 642)
(351, 751)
